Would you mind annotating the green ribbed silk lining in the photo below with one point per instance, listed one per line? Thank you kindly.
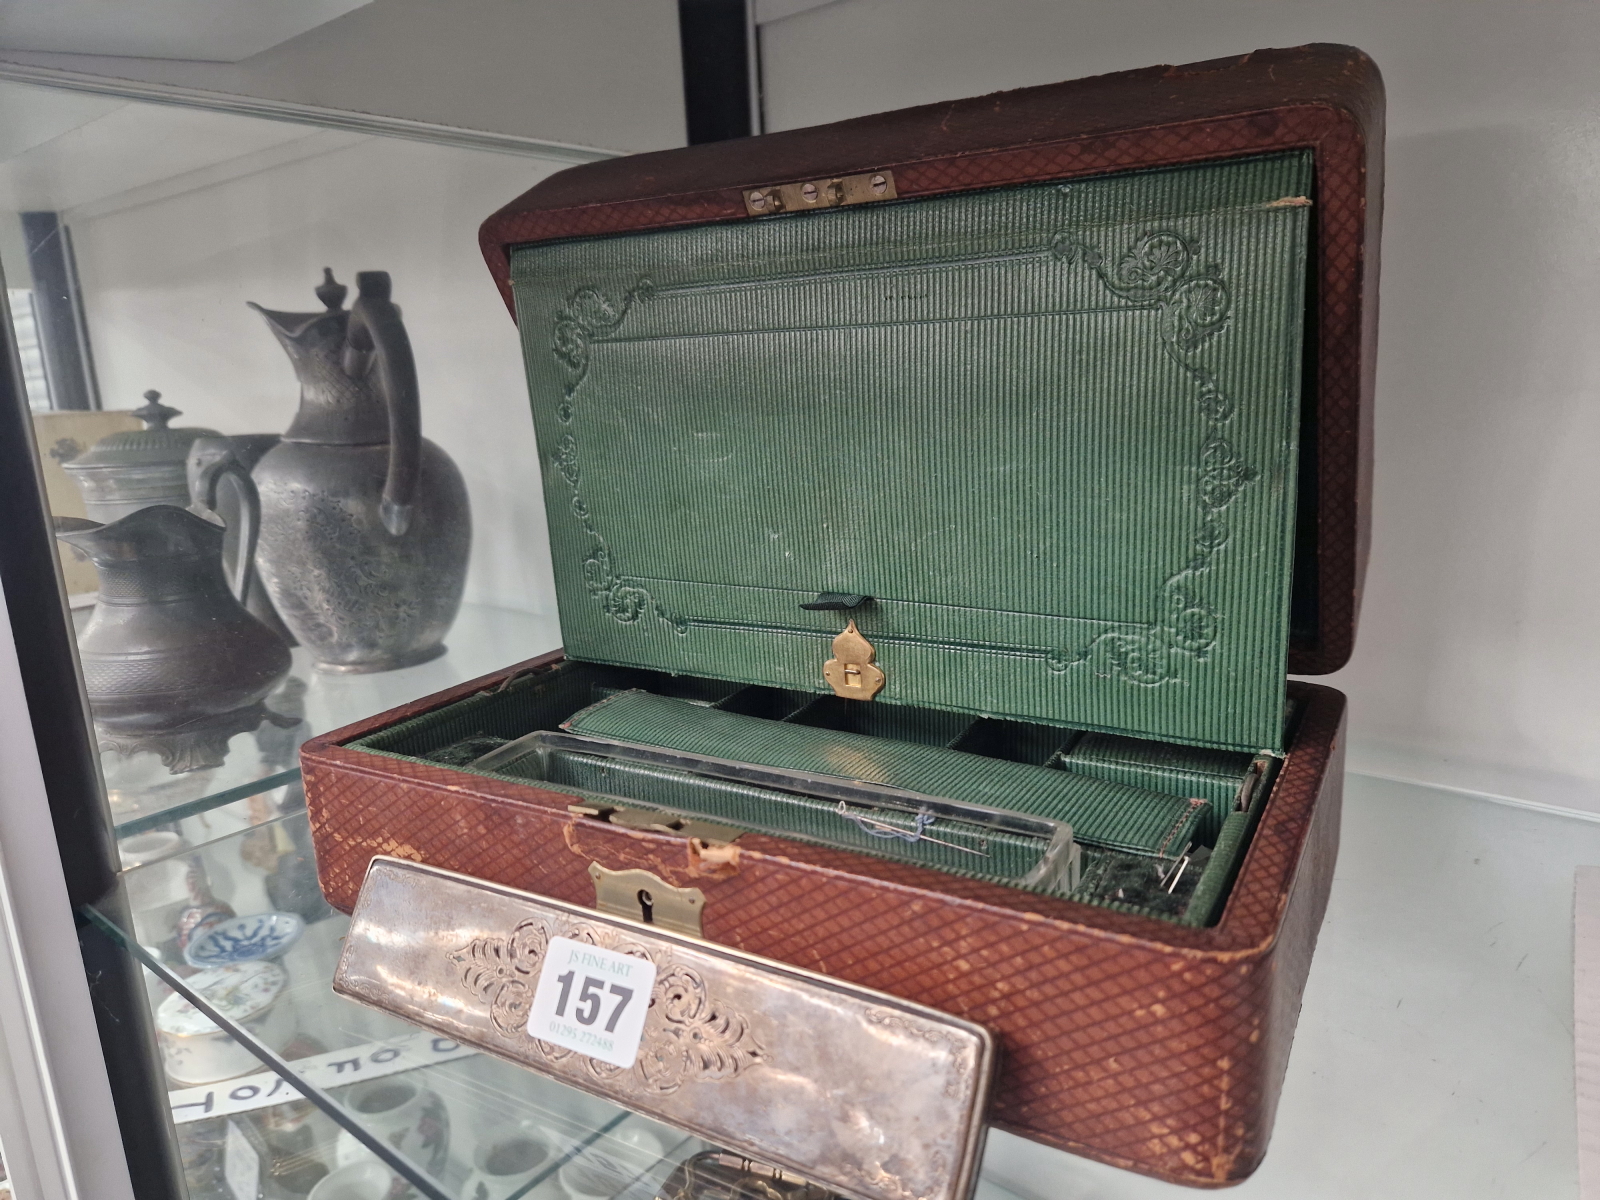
(1051, 431)
(1101, 812)
(1213, 775)
(542, 700)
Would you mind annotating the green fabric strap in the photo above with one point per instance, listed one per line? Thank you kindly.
(1213, 775)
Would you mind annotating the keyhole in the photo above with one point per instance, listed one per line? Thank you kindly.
(647, 906)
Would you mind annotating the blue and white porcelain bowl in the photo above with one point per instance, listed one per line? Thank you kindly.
(244, 939)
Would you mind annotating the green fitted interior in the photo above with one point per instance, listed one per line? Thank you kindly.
(1039, 443)
(1007, 764)
(968, 849)
(1047, 434)
(1211, 775)
(1116, 816)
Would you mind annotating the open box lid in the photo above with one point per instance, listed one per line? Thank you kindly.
(1069, 382)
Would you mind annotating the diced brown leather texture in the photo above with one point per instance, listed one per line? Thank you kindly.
(1325, 98)
(1144, 1044)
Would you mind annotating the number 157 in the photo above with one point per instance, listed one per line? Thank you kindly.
(590, 994)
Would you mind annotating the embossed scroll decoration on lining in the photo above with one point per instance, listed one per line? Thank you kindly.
(590, 316)
(1161, 272)
(690, 1036)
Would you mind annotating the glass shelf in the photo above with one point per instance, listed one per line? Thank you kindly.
(258, 779)
(280, 1098)
(1486, 893)
(310, 1083)
(377, 1091)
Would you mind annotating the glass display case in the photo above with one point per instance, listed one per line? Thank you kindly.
(279, 1084)
(138, 238)
(177, 283)
(271, 1070)
(275, 419)
(221, 321)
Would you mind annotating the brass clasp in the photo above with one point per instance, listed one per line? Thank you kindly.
(852, 671)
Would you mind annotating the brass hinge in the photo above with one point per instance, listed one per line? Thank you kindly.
(852, 671)
(1251, 783)
(820, 193)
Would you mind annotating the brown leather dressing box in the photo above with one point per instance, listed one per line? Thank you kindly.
(1046, 447)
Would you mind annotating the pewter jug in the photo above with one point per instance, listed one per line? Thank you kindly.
(365, 527)
(171, 660)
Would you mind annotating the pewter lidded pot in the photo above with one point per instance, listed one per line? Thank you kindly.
(171, 660)
(129, 471)
(365, 528)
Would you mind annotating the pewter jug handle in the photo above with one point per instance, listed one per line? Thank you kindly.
(375, 326)
(208, 467)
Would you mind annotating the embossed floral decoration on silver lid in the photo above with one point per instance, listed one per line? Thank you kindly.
(754, 1055)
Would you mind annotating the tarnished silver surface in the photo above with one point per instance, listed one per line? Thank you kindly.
(876, 1097)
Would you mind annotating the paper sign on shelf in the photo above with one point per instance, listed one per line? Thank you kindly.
(373, 1060)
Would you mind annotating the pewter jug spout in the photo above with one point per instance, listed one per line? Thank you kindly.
(338, 404)
(160, 531)
(171, 660)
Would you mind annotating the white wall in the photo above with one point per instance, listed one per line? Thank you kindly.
(166, 280)
(1479, 651)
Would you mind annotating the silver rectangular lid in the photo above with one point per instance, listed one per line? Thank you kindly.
(871, 1095)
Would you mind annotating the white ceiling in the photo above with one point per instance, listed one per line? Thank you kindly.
(208, 30)
(61, 150)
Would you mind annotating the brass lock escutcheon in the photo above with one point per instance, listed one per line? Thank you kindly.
(642, 896)
(853, 671)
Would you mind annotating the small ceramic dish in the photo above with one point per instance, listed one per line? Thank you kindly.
(244, 939)
(196, 1050)
(507, 1159)
(370, 1180)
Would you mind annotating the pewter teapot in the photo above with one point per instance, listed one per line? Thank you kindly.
(171, 660)
(365, 527)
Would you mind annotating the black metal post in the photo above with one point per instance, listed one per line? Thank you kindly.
(718, 67)
(59, 713)
(63, 336)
